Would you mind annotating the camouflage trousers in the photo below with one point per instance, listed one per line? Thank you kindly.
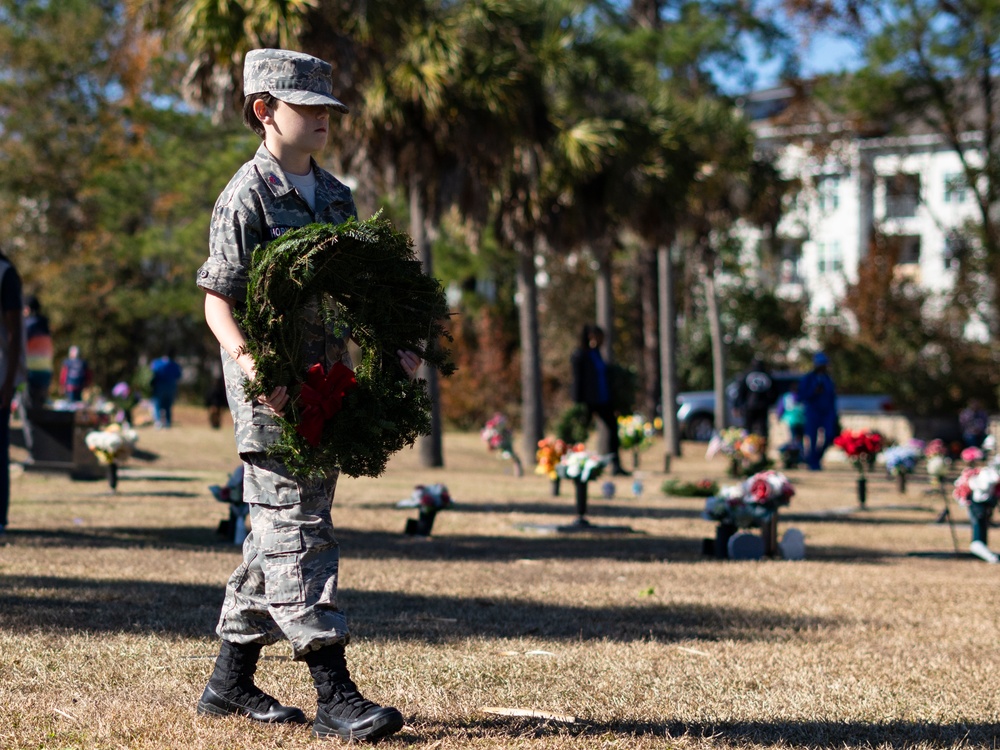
(286, 585)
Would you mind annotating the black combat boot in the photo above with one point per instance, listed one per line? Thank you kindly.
(230, 690)
(343, 712)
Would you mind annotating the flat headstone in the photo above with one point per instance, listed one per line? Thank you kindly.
(574, 528)
(745, 546)
(793, 545)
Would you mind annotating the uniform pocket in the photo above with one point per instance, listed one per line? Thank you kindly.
(282, 550)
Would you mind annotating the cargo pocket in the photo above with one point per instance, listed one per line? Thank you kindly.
(282, 549)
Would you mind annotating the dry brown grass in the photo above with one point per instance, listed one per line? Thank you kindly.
(108, 604)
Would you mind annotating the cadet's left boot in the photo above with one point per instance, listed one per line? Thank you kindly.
(231, 691)
(342, 711)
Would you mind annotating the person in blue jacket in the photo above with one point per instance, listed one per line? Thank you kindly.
(819, 397)
(166, 376)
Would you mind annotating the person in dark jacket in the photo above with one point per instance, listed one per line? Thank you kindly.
(819, 396)
(592, 388)
(754, 397)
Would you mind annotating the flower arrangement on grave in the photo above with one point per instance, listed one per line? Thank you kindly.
(500, 438)
(751, 503)
(233, 528)
(369, 283)
(124, 399)
(747, 452)
(753, 453)
(680, 488)
(901, 461)
(550, 451)
(938, 463)
(936, 447)
(726, 442)
(726, 507)
(580, 465)
(635, 434)
(978, 489)
(862, 448)
(112, 445)
(429, 499)
(977, 485)
(972, 455)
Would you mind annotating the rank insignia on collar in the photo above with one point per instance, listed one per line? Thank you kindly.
(273, 179)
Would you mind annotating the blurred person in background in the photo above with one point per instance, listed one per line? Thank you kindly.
(40, 354)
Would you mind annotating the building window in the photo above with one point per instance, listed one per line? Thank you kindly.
(902, 193)
(905, 249)
(955, 249)
(828, 193)
(955, 188)
(828, 257)
(790, 256)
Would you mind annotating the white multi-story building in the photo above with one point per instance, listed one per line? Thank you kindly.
(910, 189)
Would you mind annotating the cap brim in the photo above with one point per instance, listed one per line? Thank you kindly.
(309, 97)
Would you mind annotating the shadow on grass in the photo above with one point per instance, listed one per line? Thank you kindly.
(381, 545)
(599, 508)
(807, 734)
(29, 603)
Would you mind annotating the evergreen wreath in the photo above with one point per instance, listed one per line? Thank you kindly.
(373, 289)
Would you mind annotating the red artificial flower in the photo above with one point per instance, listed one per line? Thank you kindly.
(760, 490)
(321, 397)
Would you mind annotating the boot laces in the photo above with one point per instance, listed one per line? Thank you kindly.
(349, 704)
(248, 695)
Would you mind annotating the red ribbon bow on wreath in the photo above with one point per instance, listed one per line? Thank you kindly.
(322, 396)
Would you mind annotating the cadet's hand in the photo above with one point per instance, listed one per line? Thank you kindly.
(410, 363)
(277, 400)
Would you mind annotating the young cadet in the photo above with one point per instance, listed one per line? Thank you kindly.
(286, 586)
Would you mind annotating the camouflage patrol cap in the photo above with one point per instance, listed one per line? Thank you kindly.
(291, 77)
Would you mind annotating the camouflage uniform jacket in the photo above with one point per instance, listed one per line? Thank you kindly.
(258, 205)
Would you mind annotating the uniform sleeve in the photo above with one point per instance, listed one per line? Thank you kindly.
(234, 234)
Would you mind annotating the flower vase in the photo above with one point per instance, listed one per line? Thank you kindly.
(635, 460)
(862, 490)
(769, 533)
(723, 533)
(422, 525)
(901, 483)
(734, 467)
(518, 468)
(555, 487)
(979, 520)
(581, 500)
(113, 476)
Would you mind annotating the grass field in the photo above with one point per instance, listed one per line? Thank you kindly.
(881, 638)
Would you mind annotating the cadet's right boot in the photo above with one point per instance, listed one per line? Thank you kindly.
(342, 711)
(231, 692)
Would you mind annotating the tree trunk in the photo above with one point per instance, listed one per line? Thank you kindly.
(718, 345)
(429, 446)
(668, 351)
(532, 417)
(605, 319)
(650, 330)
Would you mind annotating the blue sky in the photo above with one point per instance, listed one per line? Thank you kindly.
(825, 53)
